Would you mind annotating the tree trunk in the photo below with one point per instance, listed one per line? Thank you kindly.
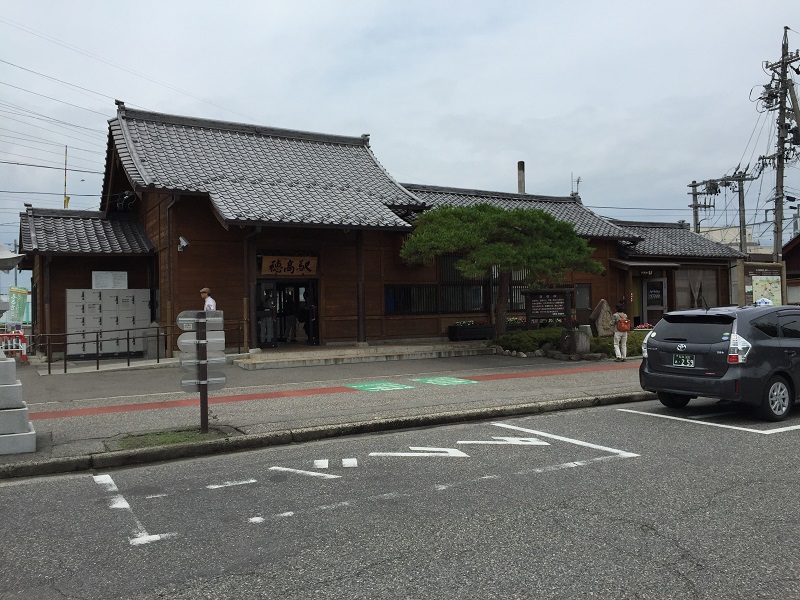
(501, 306)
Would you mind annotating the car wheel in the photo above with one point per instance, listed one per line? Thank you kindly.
(777, 399)
(673, 400)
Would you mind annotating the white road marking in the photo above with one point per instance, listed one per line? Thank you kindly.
(106, 482)
(138, 540)
(140, 535)
(310, 473)
(424, 451)
(747, 429)
(321, 464)
(155, 496)
(509, 440)
(286, 514)
(256, 519)
(343, 504)
(119, 502)
(349, 462)
(216, 486)
(621, 453)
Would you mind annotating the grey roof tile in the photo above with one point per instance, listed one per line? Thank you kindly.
(260, 175)
(673, 240)
(564, 208)
(80, 232)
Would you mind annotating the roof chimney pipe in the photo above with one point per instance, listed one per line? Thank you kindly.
(521, 177)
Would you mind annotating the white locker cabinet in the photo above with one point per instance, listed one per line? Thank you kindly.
(74, 348)
(75, 309)
(76, 323)
(92, 323)
(84, 295)
(113, 313)
(110, 347)
(126, 304)
(93, 308)
(110, 302)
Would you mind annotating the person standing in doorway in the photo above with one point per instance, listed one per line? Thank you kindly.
(310, 321)
(622, 326)
(208, 302)
(289, 317)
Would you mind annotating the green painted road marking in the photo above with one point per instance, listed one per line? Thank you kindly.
(444, 380)
(379, 386)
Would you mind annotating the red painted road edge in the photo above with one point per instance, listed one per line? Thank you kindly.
(123, 408)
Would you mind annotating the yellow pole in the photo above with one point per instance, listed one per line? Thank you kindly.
(66, 198)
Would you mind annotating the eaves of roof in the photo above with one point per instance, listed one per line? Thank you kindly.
(674, 241)
(77, 232)
(260, 175)
(564, 208)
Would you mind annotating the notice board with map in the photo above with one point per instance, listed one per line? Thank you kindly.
(759, 283)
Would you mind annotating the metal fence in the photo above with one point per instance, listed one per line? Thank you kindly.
(165, 339)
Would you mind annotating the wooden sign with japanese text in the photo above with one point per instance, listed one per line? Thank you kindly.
(289, 266)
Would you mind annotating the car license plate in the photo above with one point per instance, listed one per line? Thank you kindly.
(683, 360)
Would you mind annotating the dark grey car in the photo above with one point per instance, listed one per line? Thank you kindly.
(747, 354)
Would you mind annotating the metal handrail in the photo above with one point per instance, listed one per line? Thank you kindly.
(54, 342)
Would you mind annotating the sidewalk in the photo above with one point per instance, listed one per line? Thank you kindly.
(81, 416)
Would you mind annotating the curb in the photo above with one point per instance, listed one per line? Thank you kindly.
(120, 458)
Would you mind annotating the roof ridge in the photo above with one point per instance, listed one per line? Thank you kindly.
(184, 121)
(661, 224)
(474, 192)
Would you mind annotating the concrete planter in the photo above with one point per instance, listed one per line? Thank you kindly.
(463, 333)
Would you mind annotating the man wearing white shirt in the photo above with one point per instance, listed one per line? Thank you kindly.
(208, 302)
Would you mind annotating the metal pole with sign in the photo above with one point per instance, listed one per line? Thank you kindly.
(202, 344)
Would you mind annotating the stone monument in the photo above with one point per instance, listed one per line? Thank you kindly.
(601, 319)
(16, 431)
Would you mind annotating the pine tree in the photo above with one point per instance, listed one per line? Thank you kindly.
(489, 238)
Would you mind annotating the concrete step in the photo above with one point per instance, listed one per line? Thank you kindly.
(349, 355)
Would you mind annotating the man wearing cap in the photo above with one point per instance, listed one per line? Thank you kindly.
(208, 302)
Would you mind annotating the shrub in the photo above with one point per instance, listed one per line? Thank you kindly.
(605, 345)
(530, 340)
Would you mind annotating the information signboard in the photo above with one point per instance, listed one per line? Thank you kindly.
(188, 342)
(188, 319)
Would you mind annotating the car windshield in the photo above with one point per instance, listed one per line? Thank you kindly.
(697, 329)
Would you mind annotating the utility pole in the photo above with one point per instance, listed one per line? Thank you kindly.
(711, 188)
(739, 178)
(774, 97)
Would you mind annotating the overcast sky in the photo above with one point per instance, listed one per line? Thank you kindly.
(635, 98)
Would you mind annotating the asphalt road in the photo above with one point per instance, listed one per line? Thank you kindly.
(631, 501)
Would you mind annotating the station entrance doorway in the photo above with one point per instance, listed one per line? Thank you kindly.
(286, 312)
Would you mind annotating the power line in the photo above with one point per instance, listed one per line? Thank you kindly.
(15, 145)
(21, 112)
(57, 80)
(35, 140)
(50, 194)
(8, 162)
(54, 99)
(52, 131)
(115, 65)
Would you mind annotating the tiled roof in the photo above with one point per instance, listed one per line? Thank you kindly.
(260, 175)
(564, 208)
(80, 232)
(673, 240)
